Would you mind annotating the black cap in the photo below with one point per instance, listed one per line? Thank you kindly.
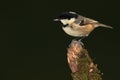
(67, 15)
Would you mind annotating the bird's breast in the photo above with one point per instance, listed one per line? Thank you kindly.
(72, 32)
(78, 31)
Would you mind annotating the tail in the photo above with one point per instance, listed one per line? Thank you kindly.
(106, 26)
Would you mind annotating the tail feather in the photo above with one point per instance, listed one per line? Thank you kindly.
(106, 26)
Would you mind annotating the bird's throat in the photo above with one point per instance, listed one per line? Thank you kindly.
(65, 25)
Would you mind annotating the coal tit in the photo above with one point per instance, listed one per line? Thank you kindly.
(78, 26)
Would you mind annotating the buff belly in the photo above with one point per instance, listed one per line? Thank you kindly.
(75, 33)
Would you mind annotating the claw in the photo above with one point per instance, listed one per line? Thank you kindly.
(81, 43)
(71, 43)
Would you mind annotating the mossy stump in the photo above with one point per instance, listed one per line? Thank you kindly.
(81, 65)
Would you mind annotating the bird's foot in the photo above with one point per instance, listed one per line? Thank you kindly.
(79, 42)
(72, 42)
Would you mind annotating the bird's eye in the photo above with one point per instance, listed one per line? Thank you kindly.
(62, 17)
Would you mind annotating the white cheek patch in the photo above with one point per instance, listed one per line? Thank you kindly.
(71, 20)
(67, 21)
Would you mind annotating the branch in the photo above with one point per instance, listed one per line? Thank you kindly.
(81, 64)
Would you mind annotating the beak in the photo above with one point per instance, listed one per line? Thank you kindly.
(56, 20)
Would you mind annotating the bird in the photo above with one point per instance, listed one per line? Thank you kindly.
(77, 25)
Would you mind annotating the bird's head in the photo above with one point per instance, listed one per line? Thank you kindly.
(67, 17)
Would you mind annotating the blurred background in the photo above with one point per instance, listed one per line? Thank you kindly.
(34, 47)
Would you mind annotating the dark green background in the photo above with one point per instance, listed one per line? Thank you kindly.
(33, 47)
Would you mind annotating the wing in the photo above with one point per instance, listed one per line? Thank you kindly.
(81, 20)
